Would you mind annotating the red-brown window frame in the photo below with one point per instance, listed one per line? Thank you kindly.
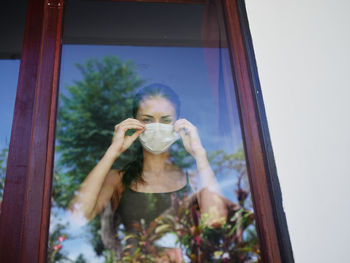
(24, 220)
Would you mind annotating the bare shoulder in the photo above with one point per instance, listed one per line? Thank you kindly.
(114, 175)
(114, 178)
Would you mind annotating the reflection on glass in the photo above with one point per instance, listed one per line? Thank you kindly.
(8, 83)
(149, 163)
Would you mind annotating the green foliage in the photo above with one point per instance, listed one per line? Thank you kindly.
(95, 239)
(223, 162)
(80, 259)
(180, 157)
(86, 119)
(234, 241)
(140, 246)
(110, 256)
(3, 162)
(87, 114)
(88, 111)
(55, 245)
(233, 164)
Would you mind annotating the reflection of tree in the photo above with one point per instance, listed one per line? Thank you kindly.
(80, 259)
(235, 241)
(87, 114)
(202, 243)
(86, 117)
(234, 164)
(55, 244)
(3, 162)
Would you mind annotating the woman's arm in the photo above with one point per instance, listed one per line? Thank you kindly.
(209, 197)
(96, 190)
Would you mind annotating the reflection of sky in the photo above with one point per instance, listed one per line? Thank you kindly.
(78, 237)
(8, 84)
(181, 68)
(184, 70)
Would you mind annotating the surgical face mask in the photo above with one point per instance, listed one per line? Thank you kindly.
(158, 137)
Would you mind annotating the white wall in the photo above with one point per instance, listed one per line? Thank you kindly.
(302, 49)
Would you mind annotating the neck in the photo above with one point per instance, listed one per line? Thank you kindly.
(155, 163)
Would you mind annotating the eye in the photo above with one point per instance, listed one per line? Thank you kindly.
(166, 121)
(146, 120)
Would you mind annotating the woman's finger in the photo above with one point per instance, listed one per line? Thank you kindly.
(179, 125)
(182, 123)
(185, 139)
(125, 127)
(122, 132)
(188, 128)
(182, 134)
(135, 135)
(129, 121)
(186, 142)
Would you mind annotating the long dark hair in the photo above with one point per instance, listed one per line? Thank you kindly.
(133, 170)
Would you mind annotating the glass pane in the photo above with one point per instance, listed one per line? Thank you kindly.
(12, 22)
(149, 161)
(8, 82)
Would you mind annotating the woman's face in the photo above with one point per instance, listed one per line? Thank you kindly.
(156, 109)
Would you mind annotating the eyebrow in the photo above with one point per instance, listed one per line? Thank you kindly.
(150, 116)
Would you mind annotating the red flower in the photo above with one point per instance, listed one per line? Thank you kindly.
(197, 239)
(61, 238)
(57, 247)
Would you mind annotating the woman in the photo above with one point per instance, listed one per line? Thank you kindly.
(156, 125)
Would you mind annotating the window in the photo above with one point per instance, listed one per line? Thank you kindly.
(213, 66)
(146, 69)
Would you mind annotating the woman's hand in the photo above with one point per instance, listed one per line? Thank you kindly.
(121, 142)
(190, 138)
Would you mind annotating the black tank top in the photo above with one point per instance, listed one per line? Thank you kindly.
(134, 206)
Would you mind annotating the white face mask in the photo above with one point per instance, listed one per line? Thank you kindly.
(158, 137)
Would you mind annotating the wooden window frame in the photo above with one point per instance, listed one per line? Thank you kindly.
(24, 220)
